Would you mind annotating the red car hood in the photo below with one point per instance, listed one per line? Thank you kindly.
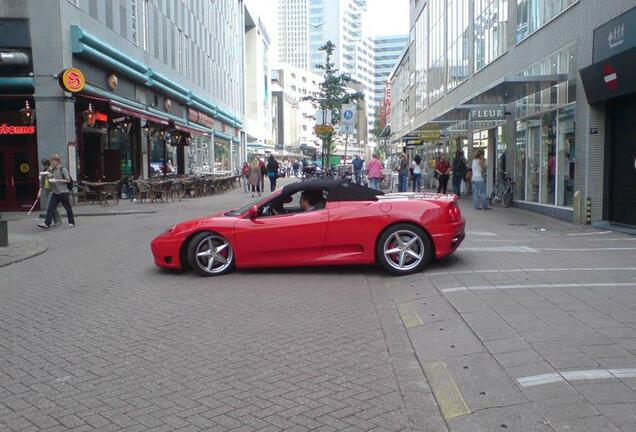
(191, 224)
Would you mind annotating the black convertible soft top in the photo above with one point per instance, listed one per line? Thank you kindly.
(337, 190)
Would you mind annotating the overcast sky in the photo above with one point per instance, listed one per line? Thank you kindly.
(384, 17)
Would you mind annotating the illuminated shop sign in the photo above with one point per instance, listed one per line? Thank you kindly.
(6, 129)
(72, 80)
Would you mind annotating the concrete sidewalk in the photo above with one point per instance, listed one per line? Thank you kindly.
(20, 248)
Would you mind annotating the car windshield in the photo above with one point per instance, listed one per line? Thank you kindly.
(240, 211)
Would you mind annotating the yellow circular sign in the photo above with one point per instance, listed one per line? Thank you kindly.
(24, 168)
(73, 80)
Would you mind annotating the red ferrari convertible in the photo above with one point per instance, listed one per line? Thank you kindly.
(318, 222)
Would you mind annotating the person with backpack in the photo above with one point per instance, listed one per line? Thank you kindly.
(357, 163)
(61, 183)
(44, 193)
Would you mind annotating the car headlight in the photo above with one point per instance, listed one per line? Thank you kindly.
(172, 229)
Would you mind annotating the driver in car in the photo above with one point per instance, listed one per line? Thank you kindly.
(312, 200)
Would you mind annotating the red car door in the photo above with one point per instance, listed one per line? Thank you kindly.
(288, 239)
(352, 231)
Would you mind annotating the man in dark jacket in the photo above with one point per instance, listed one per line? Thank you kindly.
(458, 167)
(272, 172)
(357, 163)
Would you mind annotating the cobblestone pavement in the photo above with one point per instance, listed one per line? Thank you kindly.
(530, 327)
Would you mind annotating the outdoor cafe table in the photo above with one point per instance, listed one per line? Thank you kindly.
(98, 188)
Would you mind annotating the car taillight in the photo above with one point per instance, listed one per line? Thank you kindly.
(454, 214)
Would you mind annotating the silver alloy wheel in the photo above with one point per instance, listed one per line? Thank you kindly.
(404, 250)
(214, 254)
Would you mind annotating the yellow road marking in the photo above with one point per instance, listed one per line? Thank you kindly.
(449, 399)
(409, 315)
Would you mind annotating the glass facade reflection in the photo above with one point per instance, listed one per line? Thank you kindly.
(458, 42)
(421, 60)
(534, 14)
(437, 50)
(491, 27)
(545, 151)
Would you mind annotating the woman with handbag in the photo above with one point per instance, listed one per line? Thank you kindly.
(272, 172)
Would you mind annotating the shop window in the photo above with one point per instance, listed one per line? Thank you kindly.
(222, 155)
(546, 138)
(548, 157)
(520, 160)
(566, 157)
(534, 160)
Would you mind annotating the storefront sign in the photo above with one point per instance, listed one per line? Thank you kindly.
(616, 36)
(72, 80)
(6, 129)
(200, 118)
(488, 113)
(323, 130)
(101, 117)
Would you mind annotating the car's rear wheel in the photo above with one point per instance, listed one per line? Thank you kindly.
(210, 254)
(403, 249)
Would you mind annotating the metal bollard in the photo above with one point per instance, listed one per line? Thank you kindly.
(4, 233)
(588, 211)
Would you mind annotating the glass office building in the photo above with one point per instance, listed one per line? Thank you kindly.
(523, 80)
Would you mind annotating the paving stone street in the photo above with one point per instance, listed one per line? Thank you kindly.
(530, 326)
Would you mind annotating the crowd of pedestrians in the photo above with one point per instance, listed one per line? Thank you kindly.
(464, 177)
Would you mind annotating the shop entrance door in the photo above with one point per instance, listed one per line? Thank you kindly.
(623, 164)
(18, 178)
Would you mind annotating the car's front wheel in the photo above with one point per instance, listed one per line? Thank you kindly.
(210, 254)
(403, 249)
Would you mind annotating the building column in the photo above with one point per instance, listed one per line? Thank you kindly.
(51, 54)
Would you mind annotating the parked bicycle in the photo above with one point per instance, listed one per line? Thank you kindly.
(503, 190)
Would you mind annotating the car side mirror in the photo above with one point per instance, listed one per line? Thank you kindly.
(253, 212)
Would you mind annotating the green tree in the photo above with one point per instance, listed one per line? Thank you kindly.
(377, 128)
(335, 91)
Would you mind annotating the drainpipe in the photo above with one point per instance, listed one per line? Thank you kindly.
(13, 58)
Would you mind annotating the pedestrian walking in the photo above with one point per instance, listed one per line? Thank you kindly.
(245, 172)
(402, 168)
(357, 163)
(295, 166)
(443, 170)
(59, 180)
(459, 167)
(263, 168)
(374, 172)
(480, 197)
(44, 194)
(272, 172)
(416, 168)
(254, 177)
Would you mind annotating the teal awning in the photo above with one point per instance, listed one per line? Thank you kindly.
(17, 84)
